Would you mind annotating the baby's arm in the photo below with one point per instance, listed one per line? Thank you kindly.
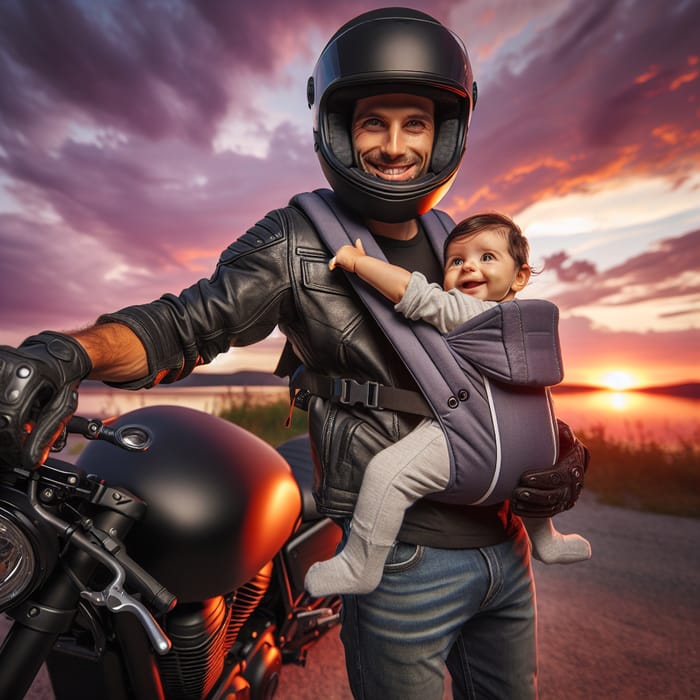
(445, 310)
(390, 280)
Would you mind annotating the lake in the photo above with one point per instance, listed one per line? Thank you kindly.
(632, 416)
(628, 416)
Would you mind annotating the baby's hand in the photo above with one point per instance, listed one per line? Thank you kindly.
(347, 256)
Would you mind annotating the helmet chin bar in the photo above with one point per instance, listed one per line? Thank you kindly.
(385, 201)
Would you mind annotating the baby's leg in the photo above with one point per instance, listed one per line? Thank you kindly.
(413, 467)
(551, 546)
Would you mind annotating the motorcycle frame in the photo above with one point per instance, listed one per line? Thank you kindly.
(121, 664)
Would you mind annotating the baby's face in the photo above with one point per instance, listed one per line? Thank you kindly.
(481, 265)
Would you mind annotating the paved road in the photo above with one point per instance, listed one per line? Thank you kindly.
(624, 625)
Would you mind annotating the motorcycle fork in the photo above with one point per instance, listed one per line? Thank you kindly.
(39, 621)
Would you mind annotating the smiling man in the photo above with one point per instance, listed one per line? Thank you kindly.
(391, 96)
(393, 135)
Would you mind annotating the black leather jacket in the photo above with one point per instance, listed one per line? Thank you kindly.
(276, 274)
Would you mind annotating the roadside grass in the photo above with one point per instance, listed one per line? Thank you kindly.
(641, 475)
(266, 420)
(644, 475)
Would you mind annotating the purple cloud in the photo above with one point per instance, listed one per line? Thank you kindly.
(666, 271)
(568, 270)
(607, 91)
(109, 111)
(155, 69)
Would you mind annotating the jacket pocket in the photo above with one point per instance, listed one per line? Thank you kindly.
(316, 276)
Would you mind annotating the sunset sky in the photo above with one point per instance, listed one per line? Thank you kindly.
(137, 140)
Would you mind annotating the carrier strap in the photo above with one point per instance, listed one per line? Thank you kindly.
(351, 392)
(494, 431)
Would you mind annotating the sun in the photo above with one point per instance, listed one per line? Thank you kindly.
(618, 380)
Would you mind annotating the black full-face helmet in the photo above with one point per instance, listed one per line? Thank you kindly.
(391, 50)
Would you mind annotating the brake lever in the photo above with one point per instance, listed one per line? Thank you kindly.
(116, 600)
(113, 597)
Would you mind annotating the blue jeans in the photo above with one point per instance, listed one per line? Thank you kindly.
(472, 609)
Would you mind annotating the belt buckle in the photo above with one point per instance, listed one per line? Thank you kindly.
(350, 392)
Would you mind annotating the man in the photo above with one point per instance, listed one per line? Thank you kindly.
(392, 95)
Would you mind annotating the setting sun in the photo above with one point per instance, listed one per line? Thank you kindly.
(618, 380)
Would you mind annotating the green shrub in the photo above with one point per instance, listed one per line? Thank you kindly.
(267, 421)
(644, 475)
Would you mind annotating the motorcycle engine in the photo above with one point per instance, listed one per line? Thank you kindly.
(202, 635)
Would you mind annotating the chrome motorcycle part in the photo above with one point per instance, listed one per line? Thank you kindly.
(136, 438)
(27, 550)
(17, 561)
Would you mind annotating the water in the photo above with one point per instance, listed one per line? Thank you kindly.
(102, 402)
(628, 416)
(632, 416)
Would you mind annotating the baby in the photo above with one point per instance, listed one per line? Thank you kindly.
(486, 262)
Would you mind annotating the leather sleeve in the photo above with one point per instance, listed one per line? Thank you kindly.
(182, 331)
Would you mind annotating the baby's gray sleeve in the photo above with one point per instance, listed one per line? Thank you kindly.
(428, 302)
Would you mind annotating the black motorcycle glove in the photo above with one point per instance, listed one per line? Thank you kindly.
(38, 394)
(542, 493)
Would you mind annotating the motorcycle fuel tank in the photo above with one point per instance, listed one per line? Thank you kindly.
(221, 502)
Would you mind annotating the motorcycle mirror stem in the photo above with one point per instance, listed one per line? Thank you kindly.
(134, 438)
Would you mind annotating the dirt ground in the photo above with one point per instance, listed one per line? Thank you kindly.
(624, 625)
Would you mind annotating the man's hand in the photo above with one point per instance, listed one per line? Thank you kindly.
(542, 493)
(347, 255)
(38, 394)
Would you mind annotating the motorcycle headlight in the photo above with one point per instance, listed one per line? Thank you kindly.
(17, 562)
(27, 550)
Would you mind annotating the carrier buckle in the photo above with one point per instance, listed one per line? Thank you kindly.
(350, 392)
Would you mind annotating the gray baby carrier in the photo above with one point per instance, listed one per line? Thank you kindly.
(485, 382)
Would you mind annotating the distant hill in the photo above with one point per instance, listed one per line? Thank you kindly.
(573, 388)
(689, 390)
(242, 378)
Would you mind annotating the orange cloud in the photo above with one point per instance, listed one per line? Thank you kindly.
(466, 204)
(188, 257)
(683, 79)
(668, 133)
(649, 75)
(529, 168)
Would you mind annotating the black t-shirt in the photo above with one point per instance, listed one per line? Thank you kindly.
(429, 522)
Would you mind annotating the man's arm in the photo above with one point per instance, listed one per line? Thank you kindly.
(140, 346)
(390, 280)
(115, 351)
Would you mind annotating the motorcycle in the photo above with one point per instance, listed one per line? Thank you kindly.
(167, 562)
